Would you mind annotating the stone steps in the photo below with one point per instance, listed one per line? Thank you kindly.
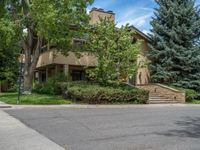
(161, 100)
(159, 93)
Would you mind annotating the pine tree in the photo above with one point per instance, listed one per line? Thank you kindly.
(175, 47)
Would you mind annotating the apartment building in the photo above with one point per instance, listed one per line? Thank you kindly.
(52, 62)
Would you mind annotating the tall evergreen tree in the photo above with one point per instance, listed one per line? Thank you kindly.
(175, 47)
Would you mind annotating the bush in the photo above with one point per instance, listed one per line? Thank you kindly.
(95, 94)
(51, 86)
(13, 88)
(190, 94)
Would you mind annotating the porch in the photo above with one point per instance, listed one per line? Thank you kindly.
(72, 72)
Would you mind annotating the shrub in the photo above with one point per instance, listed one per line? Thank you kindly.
(190, 94)
(51, 86)
(95, 94)
(13, 88)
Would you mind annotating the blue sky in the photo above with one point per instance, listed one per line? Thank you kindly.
(134, 12)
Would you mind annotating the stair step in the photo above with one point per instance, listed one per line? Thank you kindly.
(163, 102)
(157, 95)
(160, 100)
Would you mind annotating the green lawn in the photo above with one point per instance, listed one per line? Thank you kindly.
(33, 99)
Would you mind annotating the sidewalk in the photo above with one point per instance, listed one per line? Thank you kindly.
(85, 106)
(14, 135)
(3, 105)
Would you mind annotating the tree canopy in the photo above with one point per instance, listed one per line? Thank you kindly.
(115, 50)
(175, 49)
(42, 24)
(9, 51)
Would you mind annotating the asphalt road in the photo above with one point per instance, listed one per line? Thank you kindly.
(153, 128)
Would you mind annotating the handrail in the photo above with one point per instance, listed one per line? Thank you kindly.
(163, 86)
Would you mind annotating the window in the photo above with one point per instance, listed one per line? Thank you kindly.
(78, 75)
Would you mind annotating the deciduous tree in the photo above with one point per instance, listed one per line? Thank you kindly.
(116, 52)
(41, 24)
(9, 51)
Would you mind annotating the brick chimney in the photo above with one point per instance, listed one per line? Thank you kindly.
(96, 13)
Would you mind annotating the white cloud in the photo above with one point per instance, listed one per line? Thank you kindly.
(146, 32)
(132, 12)
(138, 22)
(88, 10)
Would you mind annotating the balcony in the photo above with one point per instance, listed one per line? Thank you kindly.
(55, 57)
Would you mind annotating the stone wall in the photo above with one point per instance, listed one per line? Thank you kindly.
(162, 90)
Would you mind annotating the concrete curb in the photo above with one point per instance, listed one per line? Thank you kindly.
(16, 136)
(4, 105)
(104, 106)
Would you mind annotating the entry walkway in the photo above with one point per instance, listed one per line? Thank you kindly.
(14, 135)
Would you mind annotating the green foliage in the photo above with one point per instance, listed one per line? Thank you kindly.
(115, 50)
(52, 86)
(96, 94)
(40, 25)
(190, 94)
(8, 51)
(195, 102)
(33, 99)
(175, 47)
(53, 16)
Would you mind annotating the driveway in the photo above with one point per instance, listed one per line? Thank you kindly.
(148, 128)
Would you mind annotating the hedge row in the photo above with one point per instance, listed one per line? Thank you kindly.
(95, 94)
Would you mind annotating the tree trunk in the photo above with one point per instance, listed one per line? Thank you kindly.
(31, 46)
(28, 83)
(30, 64)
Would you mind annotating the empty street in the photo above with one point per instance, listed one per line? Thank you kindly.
(138, 128)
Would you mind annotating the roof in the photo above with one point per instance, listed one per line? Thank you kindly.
(140, 33)
(102, 10)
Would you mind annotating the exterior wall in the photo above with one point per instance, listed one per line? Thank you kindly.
(95, 15)
(163, 90)
(45, 58)
(144, 44)
(53, 57)
(143, 73)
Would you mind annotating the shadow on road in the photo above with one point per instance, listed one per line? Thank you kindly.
(188, 127)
